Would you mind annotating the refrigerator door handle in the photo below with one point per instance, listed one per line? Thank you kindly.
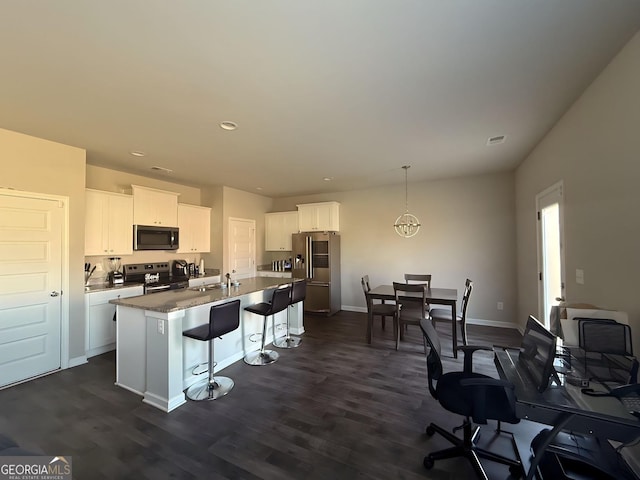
(308, 241)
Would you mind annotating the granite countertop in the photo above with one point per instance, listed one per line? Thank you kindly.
(99, 287)
(175, 300)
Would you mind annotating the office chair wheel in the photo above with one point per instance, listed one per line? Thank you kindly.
(430, 431)
(428, 462)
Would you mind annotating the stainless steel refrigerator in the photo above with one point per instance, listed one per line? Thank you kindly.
(316, 258)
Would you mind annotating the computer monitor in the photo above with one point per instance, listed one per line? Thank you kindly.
(538, 352)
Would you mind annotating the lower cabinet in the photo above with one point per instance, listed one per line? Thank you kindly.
(100, 330)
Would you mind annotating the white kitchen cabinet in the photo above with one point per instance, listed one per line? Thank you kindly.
(100, 331)
(154, 207)
(108, 223)
(194, 223)
(319, 217)
(278, 228)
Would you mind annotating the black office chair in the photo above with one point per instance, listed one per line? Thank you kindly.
(475, 396)
(223, 318)
(279, 301)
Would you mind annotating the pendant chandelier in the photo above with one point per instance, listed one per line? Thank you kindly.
(406, 225)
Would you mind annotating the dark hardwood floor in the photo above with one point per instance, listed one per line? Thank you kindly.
(334, 408)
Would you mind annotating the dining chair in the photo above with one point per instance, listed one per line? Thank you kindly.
(418, 278)
(444, 314)
(381, 309)
(411, 301)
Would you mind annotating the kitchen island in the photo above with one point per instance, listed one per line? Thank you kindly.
(155, 361)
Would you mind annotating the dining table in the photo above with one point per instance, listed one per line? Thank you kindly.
(437, 296)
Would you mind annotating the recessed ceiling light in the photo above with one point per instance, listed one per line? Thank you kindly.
(496, 140)
(226, 125)
(137, 153)
(327, 179)
(161, 169)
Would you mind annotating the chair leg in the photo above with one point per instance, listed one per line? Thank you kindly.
(463, 329)
(383, 321)
(213, 387)
(464, 447)
(262, 356)
(287, 341)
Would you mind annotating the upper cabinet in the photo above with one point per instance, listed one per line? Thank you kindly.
(319, 217)
(154, 207)
(108, 223)
(278, 228)
(194, 223)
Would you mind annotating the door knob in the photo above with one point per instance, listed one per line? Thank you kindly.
(54, 294)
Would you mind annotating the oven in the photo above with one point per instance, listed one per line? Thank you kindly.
(156, 277)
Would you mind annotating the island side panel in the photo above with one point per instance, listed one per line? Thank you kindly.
(131, 349)
(164, 360)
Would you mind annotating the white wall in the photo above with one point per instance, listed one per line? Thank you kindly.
(467, 230)
(595, 150)
(34, 165)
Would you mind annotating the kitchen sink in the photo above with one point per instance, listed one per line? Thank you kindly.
(212, 286)
(204, 288)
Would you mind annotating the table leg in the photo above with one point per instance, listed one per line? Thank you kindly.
(454, 330)
(369, 322)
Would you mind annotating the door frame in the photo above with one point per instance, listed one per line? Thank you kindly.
(558, 189)
(64, 268)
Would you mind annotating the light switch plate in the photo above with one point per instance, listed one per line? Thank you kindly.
(579, 276)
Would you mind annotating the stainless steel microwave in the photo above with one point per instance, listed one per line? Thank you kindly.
(147, 237)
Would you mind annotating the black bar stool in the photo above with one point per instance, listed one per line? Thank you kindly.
(223, 318)
(279, 301)
(298, 294)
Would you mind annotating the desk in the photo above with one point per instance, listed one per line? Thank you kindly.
(438, 296)
(565, 407)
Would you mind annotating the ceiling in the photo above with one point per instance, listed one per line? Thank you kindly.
(350, 90)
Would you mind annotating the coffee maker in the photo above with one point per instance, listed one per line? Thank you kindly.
(115, 275)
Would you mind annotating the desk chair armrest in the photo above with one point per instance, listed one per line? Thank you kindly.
(484, 392)
(468, 351)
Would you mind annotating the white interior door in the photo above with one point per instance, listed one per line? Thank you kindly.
(242, 247)
(550, 250)
(31, 244)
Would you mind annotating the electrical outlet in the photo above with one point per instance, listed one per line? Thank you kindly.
(161, 327)
(579, 276)
(500, 306)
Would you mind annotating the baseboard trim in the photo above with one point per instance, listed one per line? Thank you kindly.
(77, 361)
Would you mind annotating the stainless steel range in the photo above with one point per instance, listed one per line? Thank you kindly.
(155, 276)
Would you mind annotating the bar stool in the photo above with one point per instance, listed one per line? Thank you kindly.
(223, 318)
(298, 294)
(279, 301)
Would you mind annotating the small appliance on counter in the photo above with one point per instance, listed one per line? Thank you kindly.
(115, 275)
(180, 269)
